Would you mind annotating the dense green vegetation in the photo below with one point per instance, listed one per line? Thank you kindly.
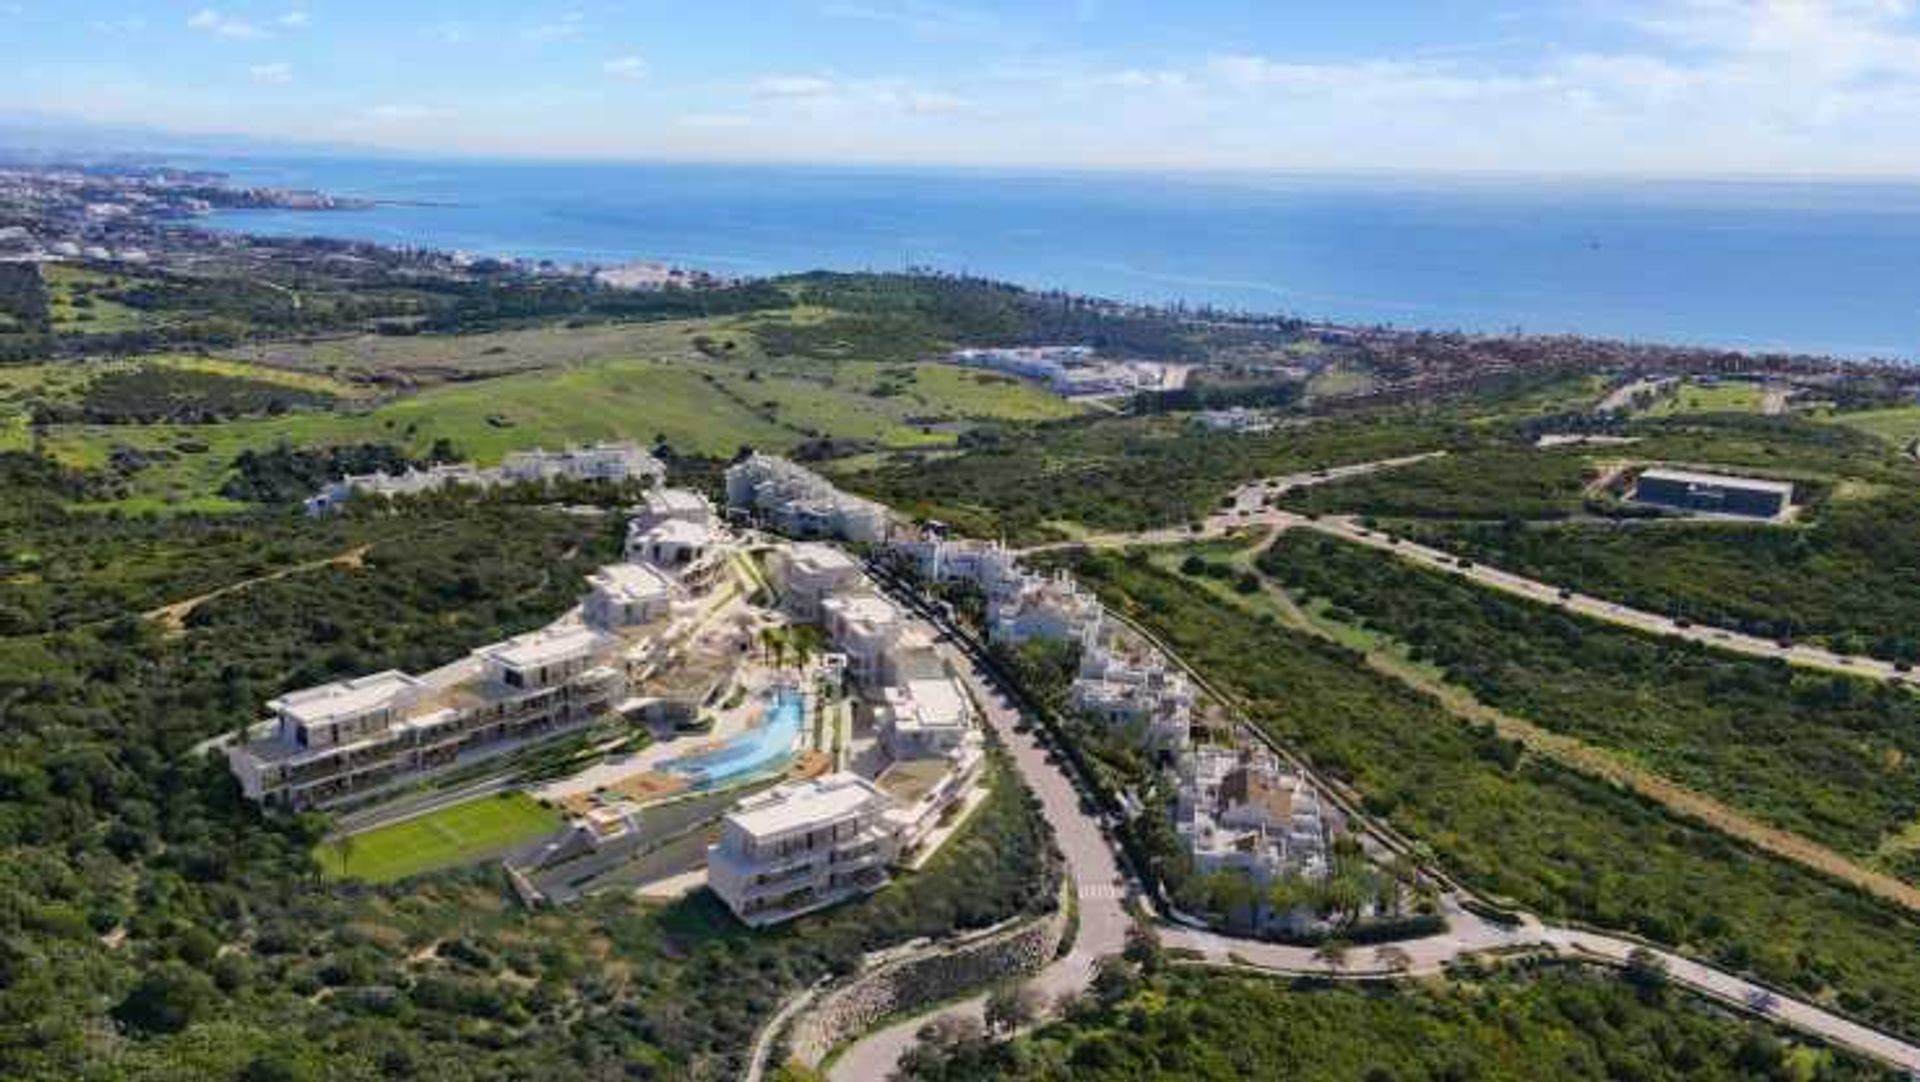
(1557, 1024)
(152, 393)
(153, 925)
(1830, 757)
(1517, 825)
(1122, 474)
(1492, 483)
(1851, 580)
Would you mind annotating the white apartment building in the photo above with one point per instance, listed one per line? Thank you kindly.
(926, 717)
(1241, 811)
(986, 564)
(864, 627)
(802, 846)
(617, 461)
(670, 505)
(807, 573)
(601, 462)
(627, 595)
(353, 738)
(1043, 607)
(800, 503)
(1134, 688)
(675, 543)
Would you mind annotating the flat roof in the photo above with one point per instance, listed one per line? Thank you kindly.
(346, 698)
(866, 608)
(1725, 480)
(630, 582)
(815, 556)
(678, 531)
(674, 500)
(545, 647)
(933, 702)
(803, 805)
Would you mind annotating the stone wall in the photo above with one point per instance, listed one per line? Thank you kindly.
(907, 985)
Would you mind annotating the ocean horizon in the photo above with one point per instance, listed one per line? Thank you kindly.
(1826, 266)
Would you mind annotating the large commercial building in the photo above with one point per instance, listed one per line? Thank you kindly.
(1714, 493)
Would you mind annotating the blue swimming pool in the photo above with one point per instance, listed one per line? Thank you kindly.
(768, 745)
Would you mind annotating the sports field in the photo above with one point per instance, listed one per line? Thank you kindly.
(460, 834)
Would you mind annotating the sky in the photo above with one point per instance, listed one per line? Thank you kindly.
(1657, 87)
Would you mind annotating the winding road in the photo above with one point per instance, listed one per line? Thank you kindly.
(1102, 890)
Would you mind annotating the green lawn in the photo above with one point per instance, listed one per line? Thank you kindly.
(460, 834)
(1898, 426)
(1709, 398)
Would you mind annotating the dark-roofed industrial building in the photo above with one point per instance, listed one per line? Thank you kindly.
(1714, 493)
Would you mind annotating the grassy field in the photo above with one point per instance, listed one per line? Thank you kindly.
(1709, 398)
(452, 836)
(699, 407)
(492, 353)
(67, 284)
(1899, 426)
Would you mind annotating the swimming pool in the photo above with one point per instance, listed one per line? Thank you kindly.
(751, 752)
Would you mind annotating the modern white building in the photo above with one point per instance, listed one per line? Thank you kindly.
(617, 461)
(802, 846)
(1236, 419)
(807, 573)
(1134, 687)
(926, 717)
(1039, 606)
(607, 462)
(670, 505)
(351, 739)
(1240, 811)
(674, 543)
(627, 595)
(864, 627)
(800, 503)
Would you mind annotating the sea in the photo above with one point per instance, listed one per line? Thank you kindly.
(1811, 266)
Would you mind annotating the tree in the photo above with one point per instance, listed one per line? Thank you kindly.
(1113, 979)
(1012, 1006)
(166, 1000)
(1333, 955)
(1144, 948)
(1393, 958)
(1647, 973)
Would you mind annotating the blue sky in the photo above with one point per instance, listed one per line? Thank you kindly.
(1571, 86)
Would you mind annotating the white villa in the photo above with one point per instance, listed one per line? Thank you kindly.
(926, 717)
(600, 462)
(800, 503)
(802, 846)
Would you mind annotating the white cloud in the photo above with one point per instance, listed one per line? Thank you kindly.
(569, 25)
(793, 86)
(934, 101)
(293, 20)
(126, 24)
(1139, 79)
(625, 67)
(277, 72)
(212, 21)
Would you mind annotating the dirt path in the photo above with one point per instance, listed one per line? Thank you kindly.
(172, 618)
(1601, 763)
